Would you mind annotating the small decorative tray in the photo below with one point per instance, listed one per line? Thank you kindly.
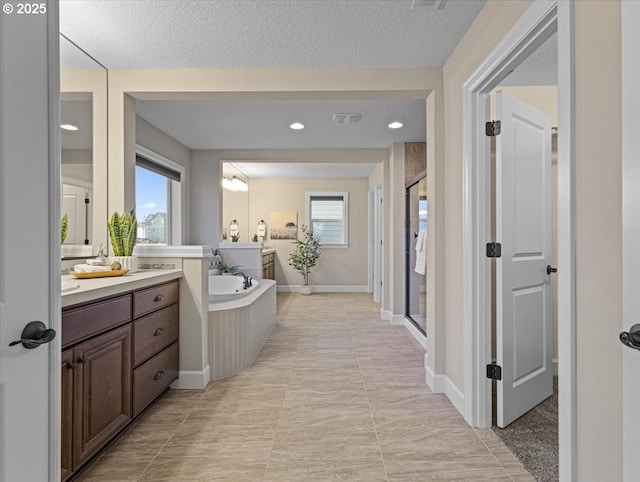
(100, 274)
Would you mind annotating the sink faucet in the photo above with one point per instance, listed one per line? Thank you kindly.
(247, 280)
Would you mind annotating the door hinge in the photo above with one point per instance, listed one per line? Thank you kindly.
(494, 371)
(494, 250)
(492, 128)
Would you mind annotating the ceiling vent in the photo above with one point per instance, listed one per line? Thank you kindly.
(436, 4)
(346, 118)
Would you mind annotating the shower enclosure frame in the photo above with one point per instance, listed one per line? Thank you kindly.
(410, 238)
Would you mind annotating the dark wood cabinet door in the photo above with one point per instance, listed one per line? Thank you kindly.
(102, 391)
(67, 413)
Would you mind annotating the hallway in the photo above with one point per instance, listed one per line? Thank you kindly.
(335, 394)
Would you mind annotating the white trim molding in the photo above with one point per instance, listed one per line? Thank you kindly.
(443, 384)
(417, 334)
(391, 318)
(192, 379)
(325, 288)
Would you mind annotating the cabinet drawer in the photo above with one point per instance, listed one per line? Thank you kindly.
(152, 377)
(154, 332)
(267, 258)
(152, 299)
(86, 321)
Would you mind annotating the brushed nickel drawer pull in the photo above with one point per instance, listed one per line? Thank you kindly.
(159, 298)
(159, 375)
(158, 332)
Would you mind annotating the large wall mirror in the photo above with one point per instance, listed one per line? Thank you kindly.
(83, 119)
(235, 204)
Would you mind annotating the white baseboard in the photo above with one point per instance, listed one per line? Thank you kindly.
(555, 367)
(443, 384)
(391, 318)
(397, 320)
(325, 288)
(417, 334)
(192, 380)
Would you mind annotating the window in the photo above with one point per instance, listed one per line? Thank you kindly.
(158, 200)
(327, 217)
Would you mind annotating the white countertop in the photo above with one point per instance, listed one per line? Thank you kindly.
(268, 250)
(95, 288)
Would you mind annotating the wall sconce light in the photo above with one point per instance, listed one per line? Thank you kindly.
(234, 184)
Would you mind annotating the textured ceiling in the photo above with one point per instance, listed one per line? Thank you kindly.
(540, 68)
(268, 33)
(137, 34)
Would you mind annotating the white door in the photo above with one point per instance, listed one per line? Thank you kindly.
(630, 233)
(29, 286)
(523, 288)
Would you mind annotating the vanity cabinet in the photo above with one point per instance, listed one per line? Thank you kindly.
(119, 355)
(268, 266)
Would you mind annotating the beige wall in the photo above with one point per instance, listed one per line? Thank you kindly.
(337, 266)
(543, 97)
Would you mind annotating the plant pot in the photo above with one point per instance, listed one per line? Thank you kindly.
(306, 289)
(127, 262)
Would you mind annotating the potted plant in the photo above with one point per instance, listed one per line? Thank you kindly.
(123, 229)
(304, 257)
(226, 268)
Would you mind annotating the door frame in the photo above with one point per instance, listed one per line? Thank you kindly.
(55, 188)
(630, 199)
(376, 240)
(537, 24)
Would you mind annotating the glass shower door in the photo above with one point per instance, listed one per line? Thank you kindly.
(416, 254)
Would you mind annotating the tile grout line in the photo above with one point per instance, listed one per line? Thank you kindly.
(275, 434)
(366, 393)
(493, 454)
(169, 439)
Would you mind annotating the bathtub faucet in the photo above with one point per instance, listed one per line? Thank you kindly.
(247, 280)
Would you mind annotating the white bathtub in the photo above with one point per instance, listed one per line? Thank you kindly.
(227, 288)
(238, 327)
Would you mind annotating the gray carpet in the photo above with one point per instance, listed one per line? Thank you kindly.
(533, 438)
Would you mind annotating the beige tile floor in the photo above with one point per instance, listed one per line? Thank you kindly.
(335, 394)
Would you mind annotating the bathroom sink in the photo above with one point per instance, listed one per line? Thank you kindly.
(68, 286)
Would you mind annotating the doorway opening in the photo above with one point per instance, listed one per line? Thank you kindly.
(523, 336)
(541, 21)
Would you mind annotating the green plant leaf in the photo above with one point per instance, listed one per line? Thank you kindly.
(64, 226)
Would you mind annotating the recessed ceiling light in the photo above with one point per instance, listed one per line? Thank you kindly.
(296, 126)
(395, 125)
(68, 127)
